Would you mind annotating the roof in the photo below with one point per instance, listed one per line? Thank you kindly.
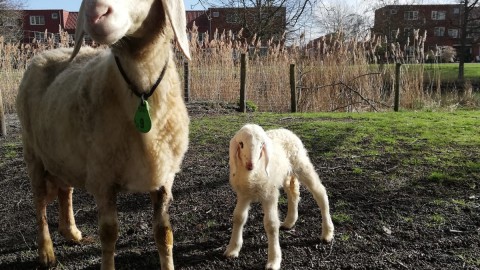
(71, 20)
(200, 18)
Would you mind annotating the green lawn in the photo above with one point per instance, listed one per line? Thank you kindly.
(449, 72)
(437, 139)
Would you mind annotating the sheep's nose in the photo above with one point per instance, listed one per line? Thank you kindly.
(95, 12)
(249, 166)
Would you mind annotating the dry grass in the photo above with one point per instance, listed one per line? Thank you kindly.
(333, 75)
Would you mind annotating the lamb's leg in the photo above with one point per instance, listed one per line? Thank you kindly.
(307, 176)
(240, 215)
(272, 225)
(43, 193)
(292, 188)
(108, 226)
(66, 222)
(162, 229)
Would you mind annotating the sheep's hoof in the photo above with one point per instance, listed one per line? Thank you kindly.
(46, 257)
(71, 234)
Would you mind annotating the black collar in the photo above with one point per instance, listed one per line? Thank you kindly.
(142, 95)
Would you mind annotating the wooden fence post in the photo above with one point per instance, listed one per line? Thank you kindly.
(293, 92)
(3, 121)
(186, 79)
(243, 82)
(397, 87)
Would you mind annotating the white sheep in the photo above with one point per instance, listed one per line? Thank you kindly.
(78, 108)
(260, 163)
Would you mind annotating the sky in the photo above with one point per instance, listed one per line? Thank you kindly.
(73, 5)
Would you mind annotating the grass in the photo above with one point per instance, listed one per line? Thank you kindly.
(449, 71)
(437, 219)
(443, 147)
(341, 218)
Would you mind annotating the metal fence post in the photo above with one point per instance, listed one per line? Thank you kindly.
(186, 79)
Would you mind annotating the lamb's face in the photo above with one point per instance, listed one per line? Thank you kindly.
(107, 21)
(250, 149)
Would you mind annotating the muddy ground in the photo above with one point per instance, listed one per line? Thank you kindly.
(379, 224)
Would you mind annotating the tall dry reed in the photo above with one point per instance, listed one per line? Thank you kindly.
(333, 74)
(14, 58)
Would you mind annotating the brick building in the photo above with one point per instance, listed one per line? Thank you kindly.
(36, 22)
(441, 23)
(267, 22)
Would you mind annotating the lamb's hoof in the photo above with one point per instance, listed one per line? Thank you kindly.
(284, 227)
(273, 265)
(231, 252)
(327, 238)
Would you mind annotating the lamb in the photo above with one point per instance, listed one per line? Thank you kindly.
(260, 163)
(107, 120)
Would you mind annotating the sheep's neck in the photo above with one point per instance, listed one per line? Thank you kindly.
(144, 95)
(142, 119)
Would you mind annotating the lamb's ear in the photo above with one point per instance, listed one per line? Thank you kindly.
(232, 152)
(79, 31)
(175, 10)
(266, 149)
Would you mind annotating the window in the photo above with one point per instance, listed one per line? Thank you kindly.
(54, 16)
(232, 18)
(410, 15)
(37, 20)
(393, 34)
(393, 11)
(407, 31)
(456, 11)
(453, 33)
(39, 36)
(216, 14)
(439, 31)
(438, 15)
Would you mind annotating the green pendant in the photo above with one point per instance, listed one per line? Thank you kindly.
(142, 119)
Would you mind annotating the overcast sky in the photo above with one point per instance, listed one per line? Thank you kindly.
(73, 5)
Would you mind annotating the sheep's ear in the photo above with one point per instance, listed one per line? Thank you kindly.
(266, 152)
(233, 149)
(176, 12)
(79, 31)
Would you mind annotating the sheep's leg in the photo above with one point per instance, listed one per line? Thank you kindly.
(240, 215)
(108, 226)
(66, 222)
(307, 176)
(272, 225)
(292, 188)
(44, 192)
(162, 229)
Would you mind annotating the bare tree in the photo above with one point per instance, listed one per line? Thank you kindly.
(339, 17)
(11, 20)
(265, 16)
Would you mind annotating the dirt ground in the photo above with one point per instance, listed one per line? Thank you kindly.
(379, 224)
